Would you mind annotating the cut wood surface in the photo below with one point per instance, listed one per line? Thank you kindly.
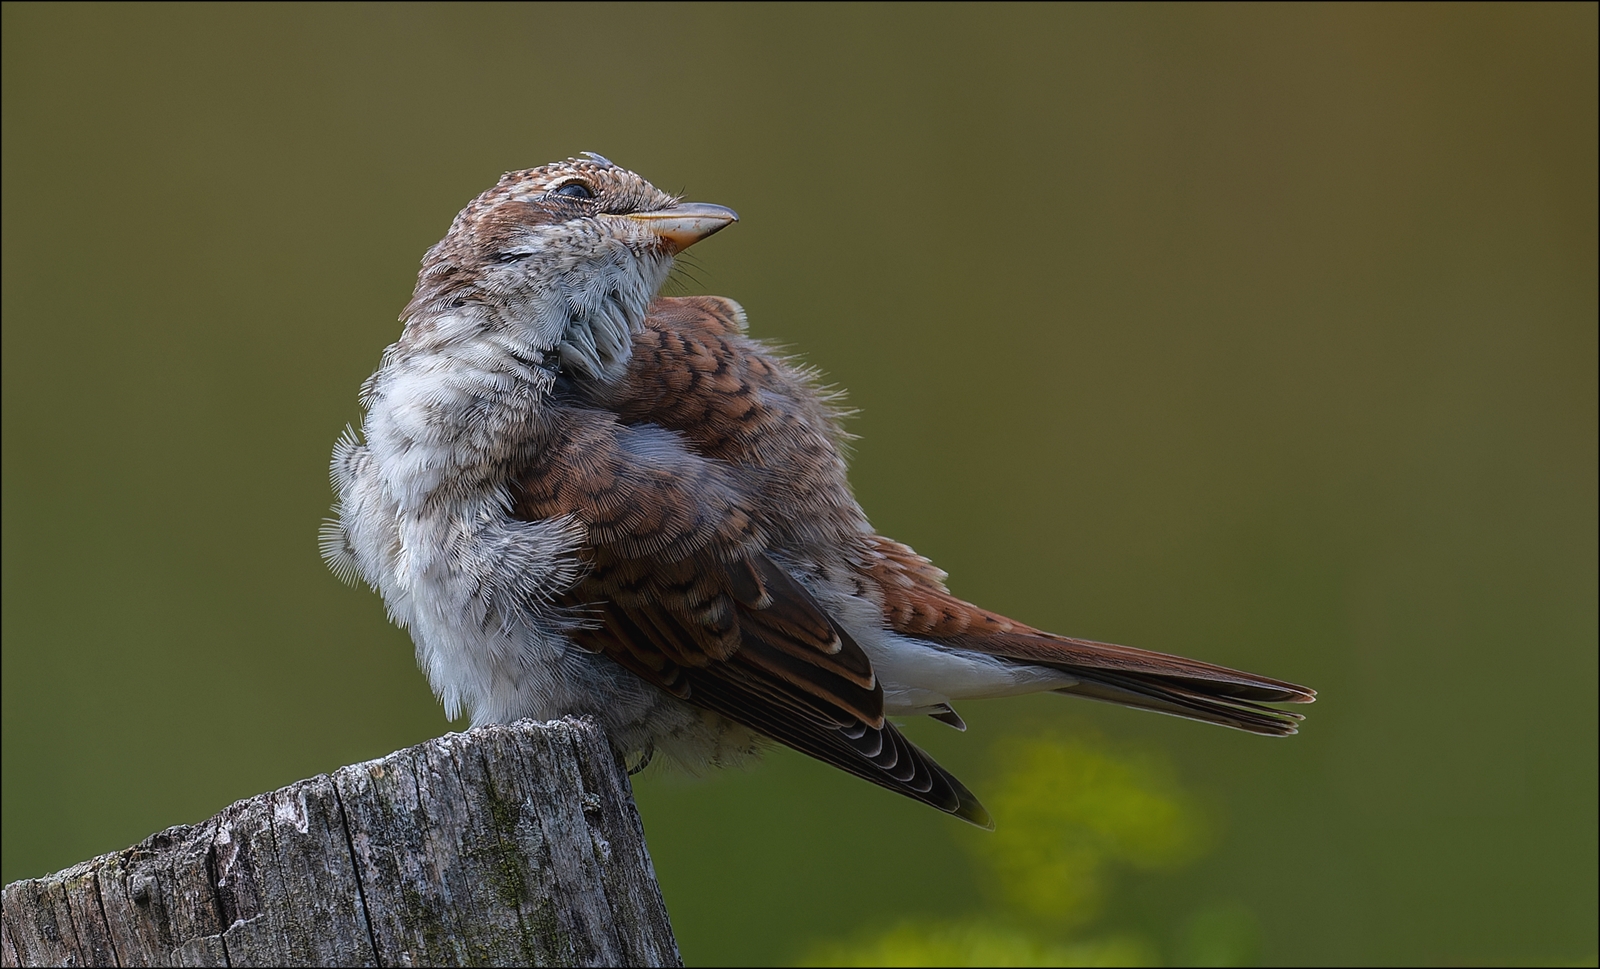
(504, 846)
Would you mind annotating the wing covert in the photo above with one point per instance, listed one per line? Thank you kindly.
(688, 598)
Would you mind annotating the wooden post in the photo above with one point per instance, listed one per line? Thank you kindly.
(505, 846)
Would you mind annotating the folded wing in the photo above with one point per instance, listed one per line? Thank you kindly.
(686, 595)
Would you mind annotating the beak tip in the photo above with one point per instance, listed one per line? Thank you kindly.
(681, 226)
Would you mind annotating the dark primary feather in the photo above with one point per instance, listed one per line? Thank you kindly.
(796, 677)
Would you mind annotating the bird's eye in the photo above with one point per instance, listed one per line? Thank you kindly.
(575, 190)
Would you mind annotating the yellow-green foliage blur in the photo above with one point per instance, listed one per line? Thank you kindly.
(1069, 813)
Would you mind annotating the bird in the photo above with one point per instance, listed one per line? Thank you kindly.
(585, 498)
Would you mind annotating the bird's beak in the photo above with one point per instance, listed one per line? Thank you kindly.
(686, 223)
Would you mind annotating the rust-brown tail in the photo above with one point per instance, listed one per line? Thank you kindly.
(1154, 681)
(916, 603)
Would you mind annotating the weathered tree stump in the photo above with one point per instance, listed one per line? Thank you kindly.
(504, 846)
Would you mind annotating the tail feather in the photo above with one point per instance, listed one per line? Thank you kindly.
(1178, 701)
(1070, 654)
(917, 604)
(1160, 682)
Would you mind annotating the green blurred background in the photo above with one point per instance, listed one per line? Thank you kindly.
(1265, 335)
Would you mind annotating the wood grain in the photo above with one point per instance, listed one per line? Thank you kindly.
(505, 846)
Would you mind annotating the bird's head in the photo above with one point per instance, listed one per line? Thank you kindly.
(563, 259)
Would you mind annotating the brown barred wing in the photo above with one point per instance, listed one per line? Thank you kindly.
(792, 674)
(685, 596)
